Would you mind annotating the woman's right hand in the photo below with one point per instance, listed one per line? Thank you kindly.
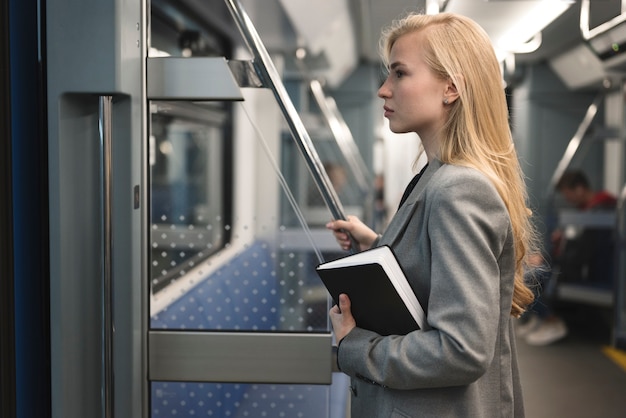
(362, 234)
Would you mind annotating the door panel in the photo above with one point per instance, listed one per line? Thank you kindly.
(238, 317)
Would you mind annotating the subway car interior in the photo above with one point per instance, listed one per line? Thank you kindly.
(168, 168)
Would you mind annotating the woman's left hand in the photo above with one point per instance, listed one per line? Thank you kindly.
(341, 318)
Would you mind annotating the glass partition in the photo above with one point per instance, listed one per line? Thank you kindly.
(231, 244)
(238, 321)
(232, 251)
(190, 164)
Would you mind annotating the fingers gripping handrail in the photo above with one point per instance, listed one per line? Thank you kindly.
(271, 79)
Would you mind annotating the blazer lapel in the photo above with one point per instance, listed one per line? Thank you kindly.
(398, 223)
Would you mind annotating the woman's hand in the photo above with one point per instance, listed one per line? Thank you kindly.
(341, 318)
(352, 227)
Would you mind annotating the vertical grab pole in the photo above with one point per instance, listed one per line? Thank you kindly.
(619, 329)
(105, 127)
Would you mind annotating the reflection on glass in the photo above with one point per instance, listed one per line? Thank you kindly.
(341, 177)
(188, 204)
(226, 254)
(214, 265)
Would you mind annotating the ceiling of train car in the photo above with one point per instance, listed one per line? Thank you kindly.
(372, 16)
(286, 24)
(493, 15)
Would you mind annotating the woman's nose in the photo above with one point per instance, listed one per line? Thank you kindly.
(383, 91)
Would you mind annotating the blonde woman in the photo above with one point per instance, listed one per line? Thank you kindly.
(461, 235)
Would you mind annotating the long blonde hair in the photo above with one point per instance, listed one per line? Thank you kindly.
(476, 133)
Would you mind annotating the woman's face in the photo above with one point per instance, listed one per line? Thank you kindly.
(414, 96)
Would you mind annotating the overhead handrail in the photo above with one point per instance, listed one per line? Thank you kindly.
(339, 128)
(589, 33)
(271, 79)
(343, 136)
(575, 142)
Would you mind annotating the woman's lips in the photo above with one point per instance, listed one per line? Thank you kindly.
(388, 111)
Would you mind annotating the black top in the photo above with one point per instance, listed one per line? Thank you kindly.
(411, 186)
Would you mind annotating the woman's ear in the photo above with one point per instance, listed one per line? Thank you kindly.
(451, 92)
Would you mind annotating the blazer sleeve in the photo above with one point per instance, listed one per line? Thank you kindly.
(468, 231)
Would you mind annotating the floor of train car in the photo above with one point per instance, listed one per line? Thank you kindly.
(573, 377)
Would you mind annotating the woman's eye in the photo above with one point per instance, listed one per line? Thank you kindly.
(399, 74)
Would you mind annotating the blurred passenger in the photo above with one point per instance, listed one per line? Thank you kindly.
(337, 175)
(580, 255)
(541, 325)
(584, 254)
(338, 179)
(461, 235)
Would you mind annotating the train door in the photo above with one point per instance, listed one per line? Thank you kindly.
(238, 323)
(183, 240)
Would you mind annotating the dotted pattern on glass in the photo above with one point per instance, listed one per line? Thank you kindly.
(259, 290)
(174, 399)
(212, 272)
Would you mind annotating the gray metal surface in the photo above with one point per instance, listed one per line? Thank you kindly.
(605, 219)
(106, 152)
(191, 79)
(240, 357)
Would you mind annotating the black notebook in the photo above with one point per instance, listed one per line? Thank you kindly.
(381, 297)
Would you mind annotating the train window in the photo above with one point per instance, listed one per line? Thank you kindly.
(344, 180)
(231, 246)
(244, 261)
(189, 174)
(228, 242)
(178, 31)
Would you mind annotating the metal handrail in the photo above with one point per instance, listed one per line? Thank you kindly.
(343, 136)
(105, 128)
(619, 277)
(589, 33)
(575, 142)
(271, 79)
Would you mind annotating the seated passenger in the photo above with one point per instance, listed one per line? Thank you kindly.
(585, 256)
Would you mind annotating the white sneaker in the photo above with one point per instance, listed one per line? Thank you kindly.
(525, 328)
(547, 333)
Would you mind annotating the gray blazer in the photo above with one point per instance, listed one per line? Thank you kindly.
(453, 239)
